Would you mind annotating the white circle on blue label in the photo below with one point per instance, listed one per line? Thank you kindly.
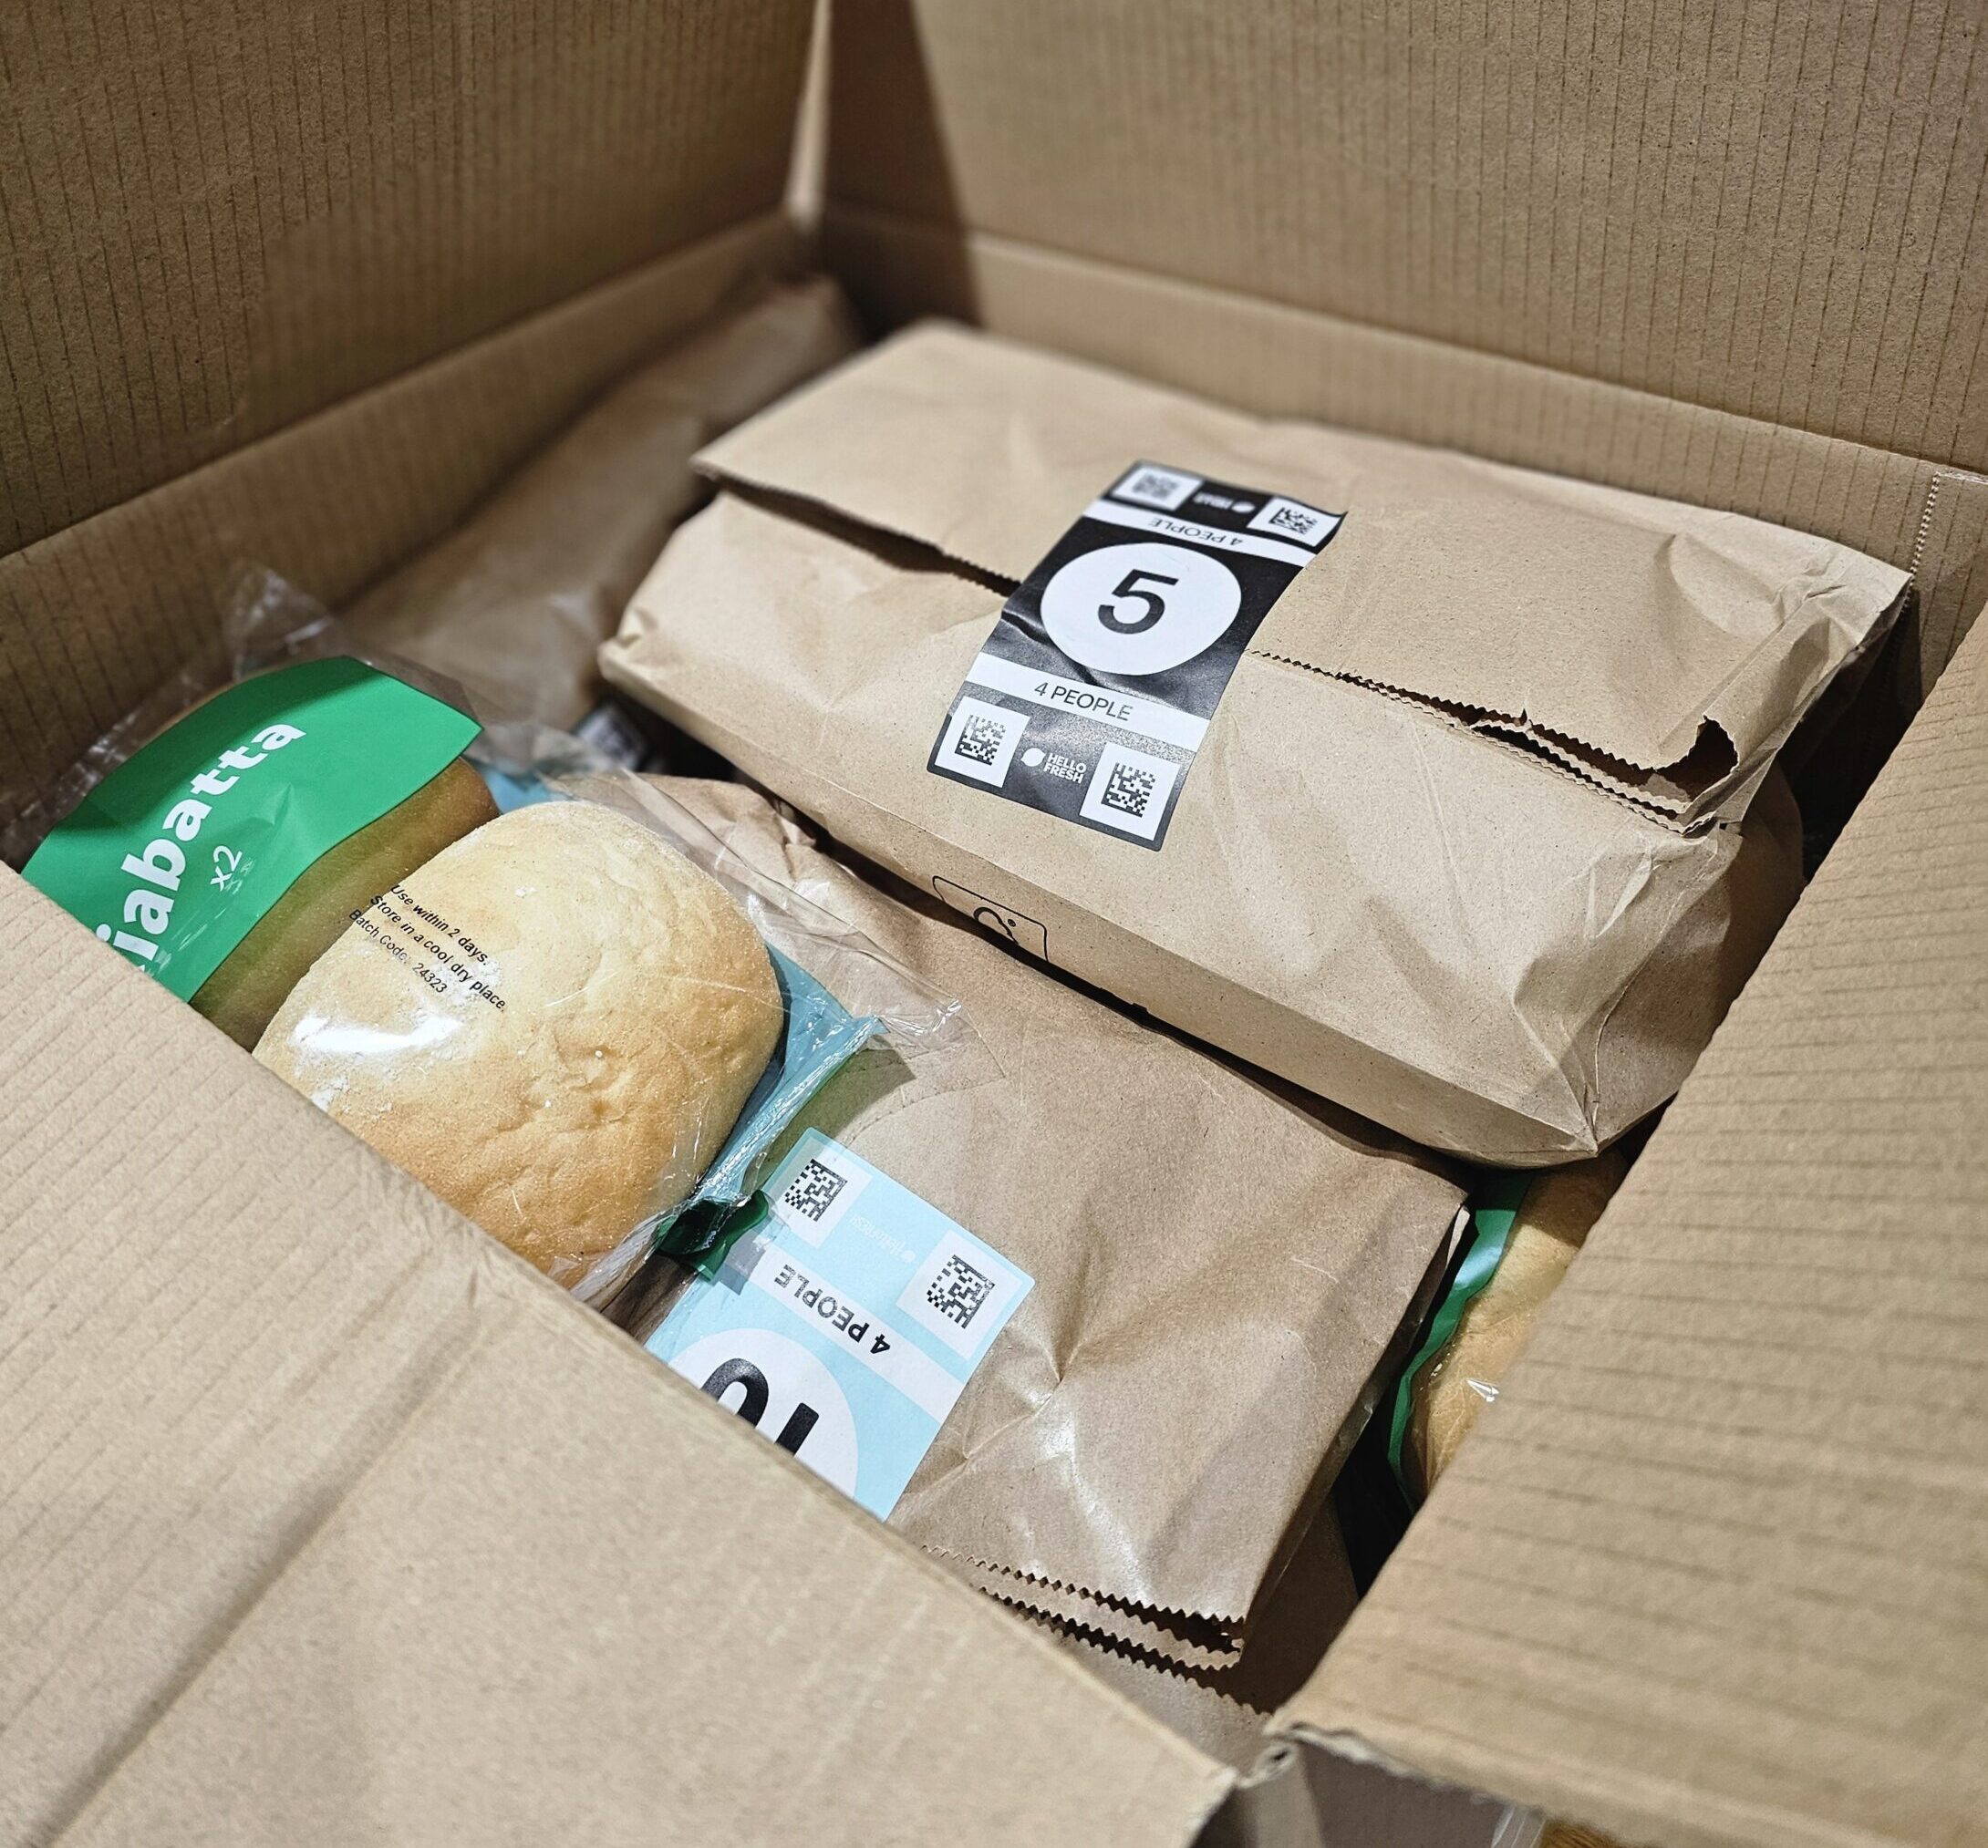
(1140, 608)
(778, 1385)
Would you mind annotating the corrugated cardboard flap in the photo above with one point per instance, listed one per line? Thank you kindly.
(1659, 650)
(221, 222)
(1768, 208)
(1714, 1568)
(295, 285)
(323, 1519)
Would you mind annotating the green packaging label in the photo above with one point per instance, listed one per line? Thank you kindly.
(174, 857)
(1494, 1206)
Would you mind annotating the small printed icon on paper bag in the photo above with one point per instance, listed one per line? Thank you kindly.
(1017, 928)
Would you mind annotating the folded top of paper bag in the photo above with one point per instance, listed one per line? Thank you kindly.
(1663, 651)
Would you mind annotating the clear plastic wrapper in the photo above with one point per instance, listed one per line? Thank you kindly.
(579, 1021)
(516, 603)
(221, 837)
(1524, 1234)
(838, 995)
(267, 623)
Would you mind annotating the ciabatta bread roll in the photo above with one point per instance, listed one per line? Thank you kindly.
(554, 1024)
(1552, 1226)
(243, 994)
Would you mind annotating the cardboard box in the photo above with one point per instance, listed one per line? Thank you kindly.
(321, 1519)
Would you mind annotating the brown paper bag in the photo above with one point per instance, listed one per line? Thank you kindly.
(516, 601)
(1204, 1645)
(1220, 1277)
(1484, 835)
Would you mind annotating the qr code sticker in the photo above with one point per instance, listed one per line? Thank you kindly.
(959, 1290)
(818, 1192)
(962, 1292)
(981, 741)
(1153, 486)
(813, 1190)
(1294, 520)
(1129, 791)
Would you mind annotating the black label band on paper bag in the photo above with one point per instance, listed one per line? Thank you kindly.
(1094, 691)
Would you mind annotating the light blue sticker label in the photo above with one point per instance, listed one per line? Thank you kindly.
(845, 1326)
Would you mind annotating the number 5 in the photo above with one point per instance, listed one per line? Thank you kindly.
(1128, 587)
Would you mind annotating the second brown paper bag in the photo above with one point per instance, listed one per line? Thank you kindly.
(1221, 1276)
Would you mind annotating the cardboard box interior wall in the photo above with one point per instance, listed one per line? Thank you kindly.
(299, 283)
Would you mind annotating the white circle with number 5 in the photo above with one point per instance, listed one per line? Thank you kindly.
(1139, 609)
(777, 1384)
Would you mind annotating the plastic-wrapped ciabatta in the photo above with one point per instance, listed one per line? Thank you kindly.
(553, 1024)
(225, 852)
(243, 994)
(1524, 1234)
(573, 1021)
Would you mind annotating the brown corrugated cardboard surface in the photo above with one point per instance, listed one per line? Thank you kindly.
(98, 614)
(1222, 1706)
(1223, 1728)
(1722, 251)
(219, 218)
(1768, 209)
(1728, 252)
(1712, 1568)
(325, 1520)
(308, 279)
(1312, 1799)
